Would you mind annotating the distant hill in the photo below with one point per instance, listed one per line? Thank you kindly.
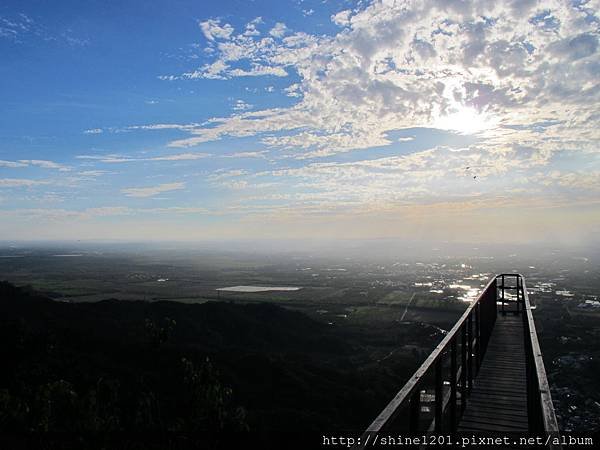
(220, 369)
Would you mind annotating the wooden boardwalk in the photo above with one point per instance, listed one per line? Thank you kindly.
(498, 400)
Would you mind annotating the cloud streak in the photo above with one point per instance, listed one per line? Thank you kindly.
(44, 164)
(116, 159)
(151, 191)
(19, 182)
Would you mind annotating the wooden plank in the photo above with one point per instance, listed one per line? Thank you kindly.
(508, 362)
(491, 371)
(491, 382)
(493, 423)
(493, 414)
(479, 393)
(488, 428)
(503, 385)
(501, 378)
(491, 374)
(511, 413)
(498, 400)
(514, 395)
(515, 391)
(502, 373)
(514, 387)
(490, 379)
(497, 381)
(497, 384)
(507, 406)
(490, 365)
(519, 365)
(508, 365)
(508, 421)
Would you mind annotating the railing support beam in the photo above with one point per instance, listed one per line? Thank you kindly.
(415, 412)
(439, 396)
(463, 372)
(453, 381)
(470, 353)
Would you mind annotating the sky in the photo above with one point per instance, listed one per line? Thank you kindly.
(305, 119)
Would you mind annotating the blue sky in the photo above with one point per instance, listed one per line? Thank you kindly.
(308, 119)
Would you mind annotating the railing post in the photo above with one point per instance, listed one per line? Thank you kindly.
(439, 394)
(463, 370)
(470, 351)
(477, 337)
(415, 411)
(494, 310)
(503, 312)
(529, 370)
(518, 293)
(453, 421)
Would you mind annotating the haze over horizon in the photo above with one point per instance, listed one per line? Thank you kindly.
(410, 120)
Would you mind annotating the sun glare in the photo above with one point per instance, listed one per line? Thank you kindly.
(465, 120)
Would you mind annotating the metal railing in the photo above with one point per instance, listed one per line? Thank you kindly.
(540, 410)
(434, 398)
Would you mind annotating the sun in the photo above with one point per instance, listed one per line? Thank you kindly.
(465, 120)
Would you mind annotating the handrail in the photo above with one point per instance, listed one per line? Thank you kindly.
(472, 332)
(543, 403)
(463, 326)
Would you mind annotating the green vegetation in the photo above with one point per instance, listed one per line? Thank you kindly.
(217, 368)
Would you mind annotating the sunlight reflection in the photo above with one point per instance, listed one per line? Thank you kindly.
(465, 120)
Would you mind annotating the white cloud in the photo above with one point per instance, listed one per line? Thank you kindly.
(251, 27)
(279, 30)
(151, 191)
(93, 173)
(212, 71)
(12, 164)
(165, 126)
(420, 64)
(220, 174)
(168, 77)
(176, 210)
(19, 182)
(213, 29)
(45, 164)
(241, 105)
(293, 90)
(103, 211)
(258, 71)
(257, 154)
(180, 157)
(93, 131)
(116, 159)
(584, 181)
(342, 18)
(57, 214)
